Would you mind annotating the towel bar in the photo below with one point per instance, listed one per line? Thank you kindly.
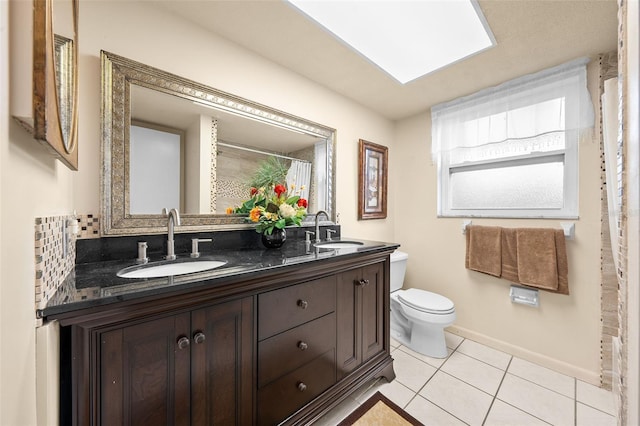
(569, 228)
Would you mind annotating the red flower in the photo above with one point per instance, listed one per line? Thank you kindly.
(302, 203)
(254, 191)
(280, 189)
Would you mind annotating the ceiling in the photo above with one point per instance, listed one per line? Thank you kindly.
(531, 35)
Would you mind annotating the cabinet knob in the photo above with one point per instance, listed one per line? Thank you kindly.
(198, 337)
(302, 345)
(303, 304)
(183, 342)
(362, 282)
(302, 387)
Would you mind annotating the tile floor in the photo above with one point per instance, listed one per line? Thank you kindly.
(478, 385)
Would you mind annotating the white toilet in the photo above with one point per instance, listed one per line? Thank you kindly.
(418, 317)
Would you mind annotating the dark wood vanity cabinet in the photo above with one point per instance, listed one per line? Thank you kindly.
(192, 368)
(361, 315)
(281, 346)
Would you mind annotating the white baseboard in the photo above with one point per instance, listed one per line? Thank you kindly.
(534, 357)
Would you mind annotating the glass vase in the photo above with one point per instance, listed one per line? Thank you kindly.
(276, 239)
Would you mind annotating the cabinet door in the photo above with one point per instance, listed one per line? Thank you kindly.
(144, 373)
(349, 351)
(360, 313)
(222, 373)
(372, 301)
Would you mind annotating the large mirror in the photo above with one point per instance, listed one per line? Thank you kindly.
(169, 142)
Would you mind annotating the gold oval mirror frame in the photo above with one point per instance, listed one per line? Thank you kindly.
(55, 84)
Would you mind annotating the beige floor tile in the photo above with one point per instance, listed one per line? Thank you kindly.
(436, 362)
(458, 398)
(430, 414)
(452, 340)
(596, 397)
(536, 400)
(395, 391)
(474, 372)
(543, 376)
(398, 393)
(410, 371)
(502, 414)
(484, 353)
(393, 342)
(339, 413)
(587, 416)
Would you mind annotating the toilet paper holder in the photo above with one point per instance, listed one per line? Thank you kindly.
(524, 296)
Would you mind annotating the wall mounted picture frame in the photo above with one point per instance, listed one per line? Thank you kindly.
(372, 181)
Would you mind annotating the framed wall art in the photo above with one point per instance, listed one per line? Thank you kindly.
(372, 181)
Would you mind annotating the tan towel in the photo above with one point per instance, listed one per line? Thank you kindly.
(537, 259)
(563, 263)
(484, 249)
(509, 255)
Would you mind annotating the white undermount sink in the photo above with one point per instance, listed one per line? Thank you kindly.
(338, 244)
(169, 269)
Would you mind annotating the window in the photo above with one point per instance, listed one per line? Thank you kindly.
(512, 150)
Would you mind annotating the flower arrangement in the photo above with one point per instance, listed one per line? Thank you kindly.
(273, 208)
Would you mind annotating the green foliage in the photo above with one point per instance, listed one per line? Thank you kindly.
(269, 173)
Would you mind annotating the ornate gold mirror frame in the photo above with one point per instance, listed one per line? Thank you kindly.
(55, 85)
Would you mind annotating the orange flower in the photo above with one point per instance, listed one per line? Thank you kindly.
(254, 214)
(229, 210)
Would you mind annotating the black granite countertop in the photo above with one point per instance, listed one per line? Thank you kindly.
(95, 283)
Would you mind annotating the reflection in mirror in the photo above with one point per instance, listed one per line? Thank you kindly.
(64, 27)
(224, 141)
(156, 168)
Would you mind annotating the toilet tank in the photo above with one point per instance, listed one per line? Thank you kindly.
(397, 269)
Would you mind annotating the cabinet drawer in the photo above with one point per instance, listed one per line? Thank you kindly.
(282, 309)
(293, 348)
(283, 397)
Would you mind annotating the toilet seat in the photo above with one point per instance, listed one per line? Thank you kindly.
(425, 301)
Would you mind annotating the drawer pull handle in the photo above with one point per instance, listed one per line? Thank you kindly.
(362, 282)
(303, 304)
(302, 387)
(199, 337)
(302, 345)
(183, 342)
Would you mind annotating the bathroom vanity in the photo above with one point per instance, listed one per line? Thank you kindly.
(272, 336)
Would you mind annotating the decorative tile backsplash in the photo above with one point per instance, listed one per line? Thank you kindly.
(55, 255)
(88, 226)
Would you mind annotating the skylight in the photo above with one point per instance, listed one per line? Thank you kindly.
(407, 39)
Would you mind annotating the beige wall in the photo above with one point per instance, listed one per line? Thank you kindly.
(34, 184)
(563, 333)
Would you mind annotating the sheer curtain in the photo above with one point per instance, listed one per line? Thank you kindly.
(299, 176)
(528, 114)
(610, 136)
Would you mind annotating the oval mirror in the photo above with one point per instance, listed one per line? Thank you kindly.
(55, 77)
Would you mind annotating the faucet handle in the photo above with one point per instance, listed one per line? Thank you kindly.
(142, 253)
(307, 236)
(329, 232)
(194, 246)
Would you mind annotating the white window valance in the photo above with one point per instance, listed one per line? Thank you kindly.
(529, 114)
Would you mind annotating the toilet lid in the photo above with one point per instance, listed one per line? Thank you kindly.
(425, 301)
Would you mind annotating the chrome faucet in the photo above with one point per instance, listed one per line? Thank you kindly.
(173, 220)
(318, 224)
